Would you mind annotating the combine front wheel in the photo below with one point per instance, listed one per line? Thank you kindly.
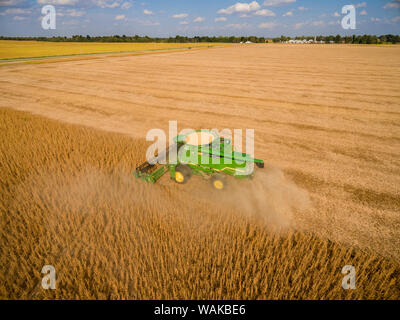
(182, 173)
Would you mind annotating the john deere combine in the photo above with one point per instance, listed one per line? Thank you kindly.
(200, 152)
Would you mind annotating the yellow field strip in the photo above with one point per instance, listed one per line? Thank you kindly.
(89, 56)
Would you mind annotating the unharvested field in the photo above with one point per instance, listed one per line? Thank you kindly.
(326, 117)
(30, 49)
(68, 199)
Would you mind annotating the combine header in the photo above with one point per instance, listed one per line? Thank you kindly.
(200, 152)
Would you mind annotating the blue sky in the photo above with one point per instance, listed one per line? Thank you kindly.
(163, 18)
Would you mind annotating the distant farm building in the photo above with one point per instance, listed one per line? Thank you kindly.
(305, 41)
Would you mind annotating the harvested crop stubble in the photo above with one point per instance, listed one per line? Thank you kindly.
(68, 199)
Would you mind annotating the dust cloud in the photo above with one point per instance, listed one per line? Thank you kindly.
(269, 197)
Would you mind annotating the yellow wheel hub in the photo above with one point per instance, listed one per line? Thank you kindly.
(218, 184)
(179, 177)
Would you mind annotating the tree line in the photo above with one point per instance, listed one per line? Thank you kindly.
(136, 38)
(356, 39)
(364, 39)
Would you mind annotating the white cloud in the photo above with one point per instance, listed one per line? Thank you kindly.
(267, 25)
(318, 23)
(126, 6)
(360, 5)
(151, 24)
(238, 26)
(336, 14)
(148, 12)
(396, 19)
(363, 13)
(241, 8)
(392, 5)
(180, 15)
(183, 22)
(15, 11)
(264, 13)
(288, 14)
(75, 13)
(302, 8)
(70, 12)
(300, 25)
(277, 3)
(71, 22)
(112, 5)
(220, 19)
(375, 19)
(146, 22)
(101, 3)
(18, 18)
(199, 19)
(120, 17)
(8, 3)
(58, 2)
(331, 23)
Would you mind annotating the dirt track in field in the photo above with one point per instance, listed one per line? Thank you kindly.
(328, 116)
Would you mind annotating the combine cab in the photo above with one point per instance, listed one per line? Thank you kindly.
(200, 152)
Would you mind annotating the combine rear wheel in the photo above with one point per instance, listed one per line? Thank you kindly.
(218, 182)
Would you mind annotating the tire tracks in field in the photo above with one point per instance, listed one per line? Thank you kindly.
(215, 90)
(78, 96)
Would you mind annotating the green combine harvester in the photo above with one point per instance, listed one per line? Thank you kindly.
(200, 152)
